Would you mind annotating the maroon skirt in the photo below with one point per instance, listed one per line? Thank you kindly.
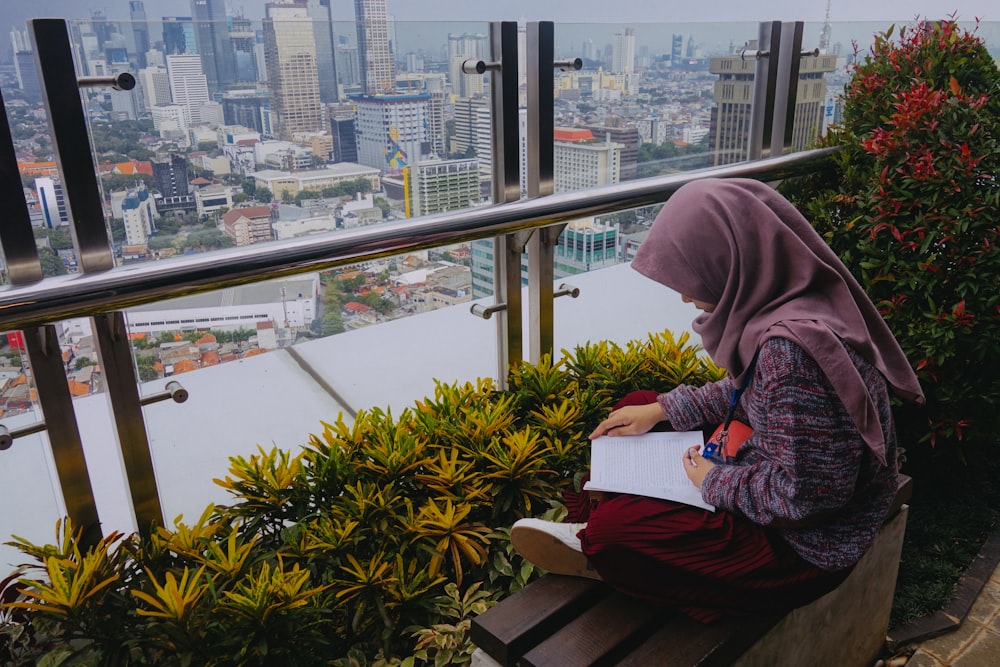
(707, 564)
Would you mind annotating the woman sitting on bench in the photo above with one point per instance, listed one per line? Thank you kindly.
(801, 499)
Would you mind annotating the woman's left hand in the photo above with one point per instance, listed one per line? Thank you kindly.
(696, 466)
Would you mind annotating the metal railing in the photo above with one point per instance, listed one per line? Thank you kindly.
(103, 290)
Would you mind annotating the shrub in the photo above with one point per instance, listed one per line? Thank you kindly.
(912, 209)
(372, 545)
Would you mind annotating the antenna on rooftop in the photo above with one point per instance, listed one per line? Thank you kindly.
(824, 35)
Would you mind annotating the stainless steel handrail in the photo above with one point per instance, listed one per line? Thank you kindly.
(59, 298)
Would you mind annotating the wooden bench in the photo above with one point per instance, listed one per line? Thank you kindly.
(560, 620)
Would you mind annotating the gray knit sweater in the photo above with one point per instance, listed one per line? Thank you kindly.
(805, 471)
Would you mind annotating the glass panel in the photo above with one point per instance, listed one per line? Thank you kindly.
(29, 486)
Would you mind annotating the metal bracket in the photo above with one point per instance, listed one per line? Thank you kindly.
(573, 64)
(486, 312)
(565, 289)
(473, 66)
(173, 391)
(120, 81)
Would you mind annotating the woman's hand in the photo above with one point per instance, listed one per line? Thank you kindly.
(630, 420)
(696, 466)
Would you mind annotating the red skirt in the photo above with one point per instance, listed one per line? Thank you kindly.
(707, 564)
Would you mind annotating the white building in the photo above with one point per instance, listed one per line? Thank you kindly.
(52, 201)
(581, 163)
(138, 212)
(391, 130)
(188, 85)
(155, 86)
(169, 122)
(289, 302)
(315, 180)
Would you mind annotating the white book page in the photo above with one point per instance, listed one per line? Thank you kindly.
(645, 465)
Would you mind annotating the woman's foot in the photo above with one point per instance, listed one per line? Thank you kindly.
(552, 546)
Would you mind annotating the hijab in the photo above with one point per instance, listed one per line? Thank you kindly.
(740, 245)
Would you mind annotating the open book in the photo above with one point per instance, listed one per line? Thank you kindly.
(645, 465)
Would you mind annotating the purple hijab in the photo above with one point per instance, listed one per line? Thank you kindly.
(740, 245)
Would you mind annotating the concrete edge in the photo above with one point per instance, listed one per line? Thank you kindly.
(970, 585)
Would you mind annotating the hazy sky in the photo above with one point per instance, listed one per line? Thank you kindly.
(15, 12)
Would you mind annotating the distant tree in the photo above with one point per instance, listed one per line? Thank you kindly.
(145, 365)
(117, 226)
(160, 242)
(332, 297)
(58, 238)
(384, 205)
(378, 302)
(249, 186)
(51, 264)
(263, 195)
(306, 194)
(83, 362)
(331, 323)
(286, 197)
(239, 198)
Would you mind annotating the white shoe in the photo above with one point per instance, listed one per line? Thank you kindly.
(552, 546)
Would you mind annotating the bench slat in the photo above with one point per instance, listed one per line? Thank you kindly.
(598, 636)
(506, 631)
(683, 642)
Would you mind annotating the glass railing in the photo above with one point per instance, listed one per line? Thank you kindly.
(410, 323)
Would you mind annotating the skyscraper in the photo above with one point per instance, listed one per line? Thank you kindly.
(188, 85)
(623, 52)
(290, 58)
(211, 35)
(374, 53)
(140, 30)
(462, 47)
(178, 35)
(730, 125)
(244, 40)
(391, 130)
(326, 57)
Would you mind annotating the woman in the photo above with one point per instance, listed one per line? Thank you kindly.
(801, 500)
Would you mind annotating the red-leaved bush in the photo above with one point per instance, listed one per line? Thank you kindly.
(913, 208)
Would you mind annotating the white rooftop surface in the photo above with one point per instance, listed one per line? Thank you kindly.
(271, 400)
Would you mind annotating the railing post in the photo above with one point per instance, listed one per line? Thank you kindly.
(764, 82)
(776, 83)
(60, 89)
(44, 353)
(506, 184)
(540, 181)
(787, 65)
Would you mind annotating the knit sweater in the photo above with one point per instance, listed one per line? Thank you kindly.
(806, 472)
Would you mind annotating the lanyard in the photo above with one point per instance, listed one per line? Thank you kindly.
(716, 449)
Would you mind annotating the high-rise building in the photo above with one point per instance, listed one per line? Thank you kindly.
(438, 186)
(249, 108)
(615, 130)
(676, 50)
(580, 161)
(155, 85)
(345, 141)
(178, 35)
(730, 124)
(138, 213)
(391, 130)
(27, 75)
(140, 31)
(292, 75)
(211, 35)
(473, 127)
(374, 49)
(170, 176)
(188, 85)
(437, 130)
(52, 200)
(326, 57)
(462, 47)
(244, 40)
(623, 52)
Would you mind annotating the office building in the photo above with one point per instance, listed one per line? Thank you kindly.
(243, 38)
(27, 75)
(437, 186)
(52, 201)
(178, 35)
(345, 141)
(290, 58)
(473, 138)
(155, 85)
(170, 175)
(733, 94)
(246, 226)
(623, 52)
(140, 31)
(615, 130)
(391, 130)
(188, 85)
(211, 34)
(315, 180)
(580, 161)
(374, 49)
(326, 64)
(249, 108)
(139, 214)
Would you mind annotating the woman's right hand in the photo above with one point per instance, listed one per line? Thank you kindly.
(630, 420)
